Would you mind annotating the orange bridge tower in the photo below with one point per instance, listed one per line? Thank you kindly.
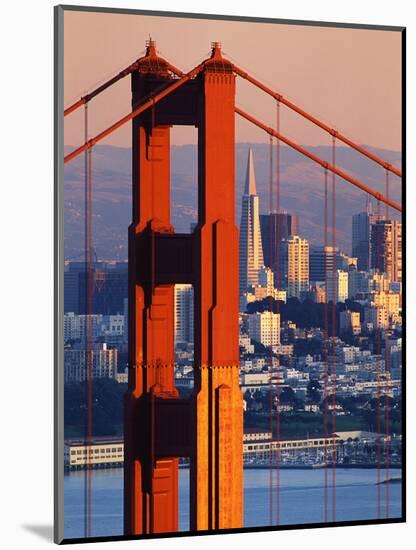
(159, 426)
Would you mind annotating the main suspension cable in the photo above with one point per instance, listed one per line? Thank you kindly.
(317, 160)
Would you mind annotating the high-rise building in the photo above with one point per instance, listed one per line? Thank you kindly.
(71, 291)
(386, 248)
(126, 319)
(338, 286)
(377, 317)
(265, 328)
(295, 263)
(361, 238)
(109, 287)
(184, 314)
(266, 280)
(358, 283)
(276, 226)
(320, 258)
(389, 300)
(251, 251)
(378, 282)
(345, 262)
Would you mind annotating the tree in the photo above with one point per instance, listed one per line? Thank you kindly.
(259, 348)
(287, 396)
(312, 391)
(107, 409)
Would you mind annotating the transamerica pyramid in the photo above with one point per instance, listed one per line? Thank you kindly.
(251, 251)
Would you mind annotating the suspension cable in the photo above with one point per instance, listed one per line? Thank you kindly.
(387, 420)
(326, 395)
(89, 289)
(314, 120)
(317, 160)
(270, 300)
(277, 259)
(125, 72)
(378, 323)
(335, 289)
(154, 98)
(387, 379)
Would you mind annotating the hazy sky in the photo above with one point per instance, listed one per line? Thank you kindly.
(349, 78)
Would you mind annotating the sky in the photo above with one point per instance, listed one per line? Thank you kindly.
(349, 78)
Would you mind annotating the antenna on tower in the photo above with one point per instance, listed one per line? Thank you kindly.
(368, 204)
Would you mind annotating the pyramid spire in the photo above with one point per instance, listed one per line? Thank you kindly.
(250, 188)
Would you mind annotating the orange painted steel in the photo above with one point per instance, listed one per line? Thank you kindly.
(217, 464)
(318, 160)
(208, 427)
(125, 72)
(317, 122)
(153, 100)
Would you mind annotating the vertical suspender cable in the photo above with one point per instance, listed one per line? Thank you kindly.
(333, 370)
(270, 300)
(326, 335)
(387, 378)
(377, 332)
(387, 421)
(277, 258)
(89, 289)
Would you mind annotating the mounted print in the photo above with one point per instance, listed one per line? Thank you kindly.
(229, 272)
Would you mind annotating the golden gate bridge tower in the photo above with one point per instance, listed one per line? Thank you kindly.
(160, 427)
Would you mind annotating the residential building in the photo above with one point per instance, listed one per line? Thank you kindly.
(103, 365)
(389, 300)
(265, 328)
(338, 286)
(274, 228)
(295, 257)
(386, 248)
(361, 238)
(350, 320)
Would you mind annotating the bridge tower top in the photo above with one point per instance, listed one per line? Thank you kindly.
(151, 62)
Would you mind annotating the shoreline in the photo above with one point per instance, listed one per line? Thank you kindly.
(267, 467)
(322, 466)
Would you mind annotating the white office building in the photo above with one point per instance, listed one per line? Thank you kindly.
(265, 328)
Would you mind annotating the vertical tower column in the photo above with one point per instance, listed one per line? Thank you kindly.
(217, 419)
(151, 484)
